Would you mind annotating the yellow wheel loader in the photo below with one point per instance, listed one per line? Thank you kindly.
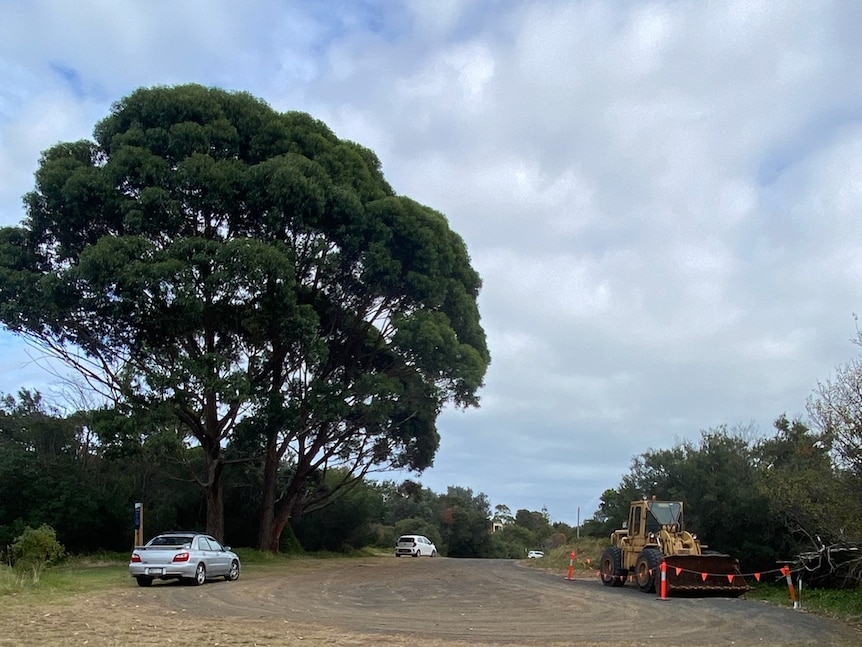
(655, 534)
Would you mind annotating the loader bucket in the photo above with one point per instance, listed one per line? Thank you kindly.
(696, 575)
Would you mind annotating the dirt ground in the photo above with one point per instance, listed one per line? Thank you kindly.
(418, 602)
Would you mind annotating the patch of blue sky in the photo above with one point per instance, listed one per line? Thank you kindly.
(15, 83)
(815, 135)
(71, 77)
(474, 19)
(381, 18)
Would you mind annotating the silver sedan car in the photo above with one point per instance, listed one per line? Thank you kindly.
(189, 556)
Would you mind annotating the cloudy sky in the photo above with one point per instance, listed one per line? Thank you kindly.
(662, 198)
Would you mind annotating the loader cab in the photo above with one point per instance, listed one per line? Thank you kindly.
(646, 517)
(635, 520)
(664, 514)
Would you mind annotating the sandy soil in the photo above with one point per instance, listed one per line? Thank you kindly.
(418, 602)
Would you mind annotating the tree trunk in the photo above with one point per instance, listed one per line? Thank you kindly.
(277, 529)
(280, 517)
(266, 522)
(214, 498)
(275, 513)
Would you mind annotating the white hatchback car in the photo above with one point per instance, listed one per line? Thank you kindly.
(415, 546)
(535, 554)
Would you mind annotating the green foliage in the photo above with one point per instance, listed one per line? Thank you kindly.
(465, 522)
(760, 500)
(408, 500)
(833, 451)
(804, 489)
(613, 509)
(511, 542)
(836, 411)
(845, 605)
(502, 514)
(718, 481)
(211, 255)
(288, 542)
(35, 550)
(345, 524)
(52, 472)
(538, 523)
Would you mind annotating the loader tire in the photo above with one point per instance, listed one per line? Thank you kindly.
(647, 569)
(611, 568)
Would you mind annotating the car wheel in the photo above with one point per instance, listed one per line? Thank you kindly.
(200, 574)
(233, 573)
(416, 554)
(433, 553)
(611, 569)
(143, 580)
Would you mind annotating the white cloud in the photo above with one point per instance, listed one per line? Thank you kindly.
(36, 122)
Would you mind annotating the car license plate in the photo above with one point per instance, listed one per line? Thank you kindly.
(155, 571)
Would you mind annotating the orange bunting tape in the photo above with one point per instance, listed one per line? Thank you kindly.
(704, 576)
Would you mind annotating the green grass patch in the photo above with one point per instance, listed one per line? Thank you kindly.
(104, 570)
(588, 552)
(845, 605)
(73, 576)
(250, 556)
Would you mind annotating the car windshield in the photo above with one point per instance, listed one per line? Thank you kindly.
(170, 540)
(666, 512)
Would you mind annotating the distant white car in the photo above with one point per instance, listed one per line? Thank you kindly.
(415, 546)
(535, 554)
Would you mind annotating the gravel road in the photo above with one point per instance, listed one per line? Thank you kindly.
(423, 602)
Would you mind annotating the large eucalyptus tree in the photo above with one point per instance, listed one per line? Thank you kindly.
(257, 277)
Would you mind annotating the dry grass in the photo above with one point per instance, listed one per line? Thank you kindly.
(119, 619)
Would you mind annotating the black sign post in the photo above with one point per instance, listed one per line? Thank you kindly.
(139, 524)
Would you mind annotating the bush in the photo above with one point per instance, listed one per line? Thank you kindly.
(35, 549)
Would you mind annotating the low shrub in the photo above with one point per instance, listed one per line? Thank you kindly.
(34, 550)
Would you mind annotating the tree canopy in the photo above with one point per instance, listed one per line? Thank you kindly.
(257, 279)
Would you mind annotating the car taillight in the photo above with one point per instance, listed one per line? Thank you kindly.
(181, 557)
(136, 557)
